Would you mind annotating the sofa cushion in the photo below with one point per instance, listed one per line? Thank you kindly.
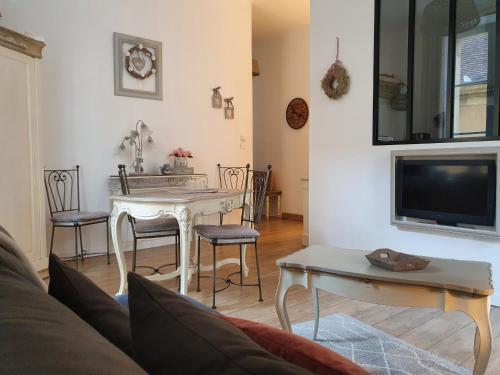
(90, 303)
(296, 349)
(171, 336)
(39, 335)
(12, 257)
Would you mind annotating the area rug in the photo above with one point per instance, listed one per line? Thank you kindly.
(376, 351)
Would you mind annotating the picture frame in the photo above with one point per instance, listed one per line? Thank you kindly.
(137, 67)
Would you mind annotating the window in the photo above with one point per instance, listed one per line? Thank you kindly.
(435, 75)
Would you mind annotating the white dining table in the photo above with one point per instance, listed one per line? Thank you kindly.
(187, 206)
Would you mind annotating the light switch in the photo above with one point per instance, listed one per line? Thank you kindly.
(243, 142)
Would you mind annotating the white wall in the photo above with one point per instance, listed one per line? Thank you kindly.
(350, 178)
(284, 66)
(205, 44)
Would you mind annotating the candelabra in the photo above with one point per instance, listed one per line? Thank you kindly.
(136, 140)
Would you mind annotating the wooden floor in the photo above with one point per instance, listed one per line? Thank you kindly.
(448, 335)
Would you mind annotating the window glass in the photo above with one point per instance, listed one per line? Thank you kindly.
(474, 78)
(430, 67)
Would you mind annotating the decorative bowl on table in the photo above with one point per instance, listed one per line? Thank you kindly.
(395, 261)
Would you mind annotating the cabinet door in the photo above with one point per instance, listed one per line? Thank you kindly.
(21, 204)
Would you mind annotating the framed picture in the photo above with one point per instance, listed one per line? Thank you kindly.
(138, 67)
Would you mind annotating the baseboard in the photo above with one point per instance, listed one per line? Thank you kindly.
(294, 217)
(305, 239)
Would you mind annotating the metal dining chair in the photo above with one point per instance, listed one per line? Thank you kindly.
(246, 233)
(232, 178)
(63, 194)
(146, 229)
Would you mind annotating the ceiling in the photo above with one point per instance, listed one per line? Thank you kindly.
(274, 17)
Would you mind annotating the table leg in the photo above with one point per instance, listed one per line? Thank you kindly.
(315, 301)
(185, 245)
(284, 284)
(279, 206)
(483, 337)
(267, 207)
(116, 223)
(249, 211)
(476, 344)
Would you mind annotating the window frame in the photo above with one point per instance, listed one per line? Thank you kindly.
(493, 126)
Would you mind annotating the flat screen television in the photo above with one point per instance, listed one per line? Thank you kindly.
(450, 192)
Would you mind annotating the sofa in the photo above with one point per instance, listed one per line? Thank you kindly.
(72, 327)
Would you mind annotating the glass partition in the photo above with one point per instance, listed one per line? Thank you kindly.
(436, 76)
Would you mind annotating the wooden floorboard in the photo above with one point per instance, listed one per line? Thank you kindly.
(449, 335)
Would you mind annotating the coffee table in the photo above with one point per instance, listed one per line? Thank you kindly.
(447, 284)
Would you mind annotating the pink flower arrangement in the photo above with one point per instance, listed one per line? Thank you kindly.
(181, 153)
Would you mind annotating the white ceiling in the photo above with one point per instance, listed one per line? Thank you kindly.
(274, 17)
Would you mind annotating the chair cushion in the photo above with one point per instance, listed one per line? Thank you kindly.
(39, 335)
(90, 303)
(226, 232)
(13, 258)
(172, 336)
(78, 216)
(158, 225)
(297, 350)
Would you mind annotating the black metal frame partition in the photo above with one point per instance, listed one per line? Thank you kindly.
(450, 90)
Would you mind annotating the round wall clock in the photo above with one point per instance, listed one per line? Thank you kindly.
(297, 113)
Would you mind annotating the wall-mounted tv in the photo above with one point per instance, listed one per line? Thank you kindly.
(449, 192)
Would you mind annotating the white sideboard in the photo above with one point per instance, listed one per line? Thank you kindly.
(146, 182)
(22, 205)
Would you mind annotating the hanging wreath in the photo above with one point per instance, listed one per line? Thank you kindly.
(336, 81)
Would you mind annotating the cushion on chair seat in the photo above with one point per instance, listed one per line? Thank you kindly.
(157, 225)
(226, 232)
(78, 216)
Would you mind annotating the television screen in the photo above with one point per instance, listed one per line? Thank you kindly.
(447, 191)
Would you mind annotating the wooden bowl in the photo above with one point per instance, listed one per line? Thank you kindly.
(394, 261)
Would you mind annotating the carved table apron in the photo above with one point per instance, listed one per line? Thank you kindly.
(185, 207)
(447, 284)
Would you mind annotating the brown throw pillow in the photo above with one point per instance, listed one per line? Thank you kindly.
(13, 257)
(39, 335)
(296, 349)
(172, 336)
(90, 303)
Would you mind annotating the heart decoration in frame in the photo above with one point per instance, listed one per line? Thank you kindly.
(140, 62)
(138, 67)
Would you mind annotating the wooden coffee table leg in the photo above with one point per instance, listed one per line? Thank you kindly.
(476, 343)
(315, 301)
(281, 292)
(483, 338)
(288, 278)
(478, 308)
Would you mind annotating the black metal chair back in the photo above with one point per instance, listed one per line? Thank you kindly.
(122, 173)
(63, 189)
(256, 182)
(233, 178)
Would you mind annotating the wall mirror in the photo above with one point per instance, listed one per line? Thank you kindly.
(436, 71)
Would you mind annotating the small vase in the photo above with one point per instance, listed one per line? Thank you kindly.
(180, 162)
